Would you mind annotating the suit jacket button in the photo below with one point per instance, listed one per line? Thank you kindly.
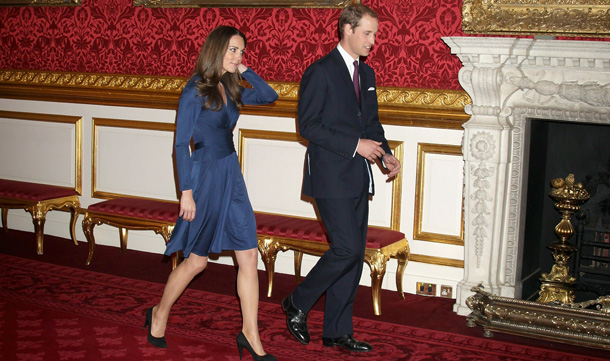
(359, 114)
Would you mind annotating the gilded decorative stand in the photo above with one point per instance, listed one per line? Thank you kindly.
(559, 285)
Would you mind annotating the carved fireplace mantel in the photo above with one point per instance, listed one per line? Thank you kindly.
(510, 82)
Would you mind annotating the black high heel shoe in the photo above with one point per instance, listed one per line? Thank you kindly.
(155, 341)
(243, 342)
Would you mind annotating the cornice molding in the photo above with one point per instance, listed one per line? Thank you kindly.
(397, 106)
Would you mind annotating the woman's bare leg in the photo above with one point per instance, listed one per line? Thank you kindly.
(247, 289)
(177, 282)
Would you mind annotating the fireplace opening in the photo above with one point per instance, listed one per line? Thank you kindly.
(557, 149)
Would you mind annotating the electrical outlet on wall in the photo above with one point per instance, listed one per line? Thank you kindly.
(446, 291)
(426, 289)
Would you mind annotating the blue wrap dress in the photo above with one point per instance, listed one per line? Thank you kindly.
(224, 219)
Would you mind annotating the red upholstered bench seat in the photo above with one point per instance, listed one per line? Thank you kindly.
(37, 199)
(148, 209)
(32, 191)
(281, 233)
(131, 213)
(313, 230)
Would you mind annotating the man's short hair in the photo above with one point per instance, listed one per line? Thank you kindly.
(352, 15)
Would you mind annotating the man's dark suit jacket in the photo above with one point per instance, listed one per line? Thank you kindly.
(331, 119)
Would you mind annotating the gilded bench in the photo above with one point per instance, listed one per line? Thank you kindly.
(37, 199)
(282, 233)
(131, 213)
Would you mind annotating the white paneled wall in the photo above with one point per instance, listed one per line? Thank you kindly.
(129, 151)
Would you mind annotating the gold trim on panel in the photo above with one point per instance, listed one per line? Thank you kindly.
(78, 137)
(418, 233)
(263, 134)
(40, 2)
(245, 3)
(534, 17)
(118, 123)
(430, 108)
(397, 150)
(438, 261)
(145, 91)
(395, 146)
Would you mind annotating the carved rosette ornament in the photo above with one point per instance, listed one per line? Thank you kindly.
(482, 146)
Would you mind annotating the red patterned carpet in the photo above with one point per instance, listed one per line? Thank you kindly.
(53, 312)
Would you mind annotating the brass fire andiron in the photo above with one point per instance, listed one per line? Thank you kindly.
(558, 286)
(553, 316)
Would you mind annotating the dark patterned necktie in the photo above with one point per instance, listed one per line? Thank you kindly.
(356, 80)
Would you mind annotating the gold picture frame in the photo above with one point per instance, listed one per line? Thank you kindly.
(40, 2)
(245, 3)
(587, 18)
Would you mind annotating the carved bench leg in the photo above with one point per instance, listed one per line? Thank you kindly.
(73, 219)
(269, 248)
(298, 260)
(377, 263)
(39, 214)
(88, 225)
(123, 237)
(402, 257)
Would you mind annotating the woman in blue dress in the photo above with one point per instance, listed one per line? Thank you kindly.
(215, 212)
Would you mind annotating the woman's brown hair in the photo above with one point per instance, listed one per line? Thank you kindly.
(209, 69)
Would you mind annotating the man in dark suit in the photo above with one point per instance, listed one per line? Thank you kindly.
(338, 115)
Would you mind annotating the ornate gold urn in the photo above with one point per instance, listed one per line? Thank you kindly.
(558, 285)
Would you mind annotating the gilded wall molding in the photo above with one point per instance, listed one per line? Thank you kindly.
(438, 261)
(431, 108)
(535, 17)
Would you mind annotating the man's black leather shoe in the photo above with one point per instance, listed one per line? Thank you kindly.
(296, 321)
(349, 342)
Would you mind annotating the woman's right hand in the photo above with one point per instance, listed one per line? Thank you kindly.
(187, 205)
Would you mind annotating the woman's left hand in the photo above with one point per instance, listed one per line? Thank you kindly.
(187, 205)
(241, 68)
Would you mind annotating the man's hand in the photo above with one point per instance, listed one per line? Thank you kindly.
(392, 164)
(187, 205)
(370, 149)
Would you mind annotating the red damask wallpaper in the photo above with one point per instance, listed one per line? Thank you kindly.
(113, 36)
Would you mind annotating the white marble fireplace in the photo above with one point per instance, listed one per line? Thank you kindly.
(512, 81)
